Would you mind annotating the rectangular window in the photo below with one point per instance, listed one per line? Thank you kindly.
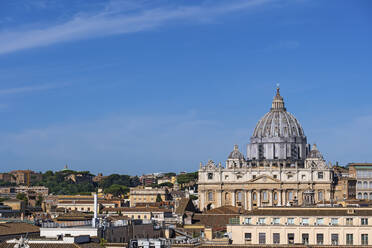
(364, 239)
(334, 221)
(262, 238)
(349, 239)
(210, 176)
(305, 238)
(276, 238)
(305, 221)
(349, 221)
(290, 238)
(364, 221)
(248, 236)
(261, 221)
(320, 195)
(290, 221)
(319, 238)
(276, 221)
(247, 221)
(290, 195)
(210, 196)
(320, 221)
(275, 176)
(334, 239)
(320, 175)
(234, 221)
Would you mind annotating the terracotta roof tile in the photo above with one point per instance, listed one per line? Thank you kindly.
(17, 228)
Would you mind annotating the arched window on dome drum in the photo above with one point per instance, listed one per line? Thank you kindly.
(365, 196)
(359, 185)
(359, 196)
(275, 196)
(254, 196)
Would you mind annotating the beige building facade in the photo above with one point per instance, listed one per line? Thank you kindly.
(362, 172)
(307, 226)
(147, 195)
(280, 169)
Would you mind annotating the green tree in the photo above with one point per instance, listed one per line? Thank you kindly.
(166, 184)
(188, 177)
(193, 197)
(39, 200)
(22, 197)
(103, 242)
(117, 190)
(158, 198)
(170, 174)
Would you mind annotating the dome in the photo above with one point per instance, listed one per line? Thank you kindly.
(278, 122)
(315, 153)
(236, 154)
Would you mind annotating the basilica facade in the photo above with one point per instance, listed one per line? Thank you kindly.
(280, 168)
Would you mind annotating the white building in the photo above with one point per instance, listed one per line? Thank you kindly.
(280, 169)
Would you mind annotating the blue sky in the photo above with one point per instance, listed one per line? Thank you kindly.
(145, 86)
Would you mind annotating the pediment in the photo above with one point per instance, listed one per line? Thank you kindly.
(264, 179)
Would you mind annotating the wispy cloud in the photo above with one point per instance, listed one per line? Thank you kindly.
(118, 18)
(25, 89)
(122, 143)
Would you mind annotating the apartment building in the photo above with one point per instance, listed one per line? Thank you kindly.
(307, 226)
(84, 203)
(362, 172)
(39, 190)
(141, 213)
(147, 195)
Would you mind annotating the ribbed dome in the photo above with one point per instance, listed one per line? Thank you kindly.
(278, 122)
(315, 153)
(236, 154)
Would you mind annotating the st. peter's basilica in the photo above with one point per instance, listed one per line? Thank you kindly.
(280, 169)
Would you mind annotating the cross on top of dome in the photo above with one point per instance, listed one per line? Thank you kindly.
(278, 102)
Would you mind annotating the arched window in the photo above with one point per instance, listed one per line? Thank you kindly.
(370, 184)
(359, 196)
(365, 185)
(275, 196)
(359, 185)
(226, 196)
(370, 196)
(365, 196)
(254, 196)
